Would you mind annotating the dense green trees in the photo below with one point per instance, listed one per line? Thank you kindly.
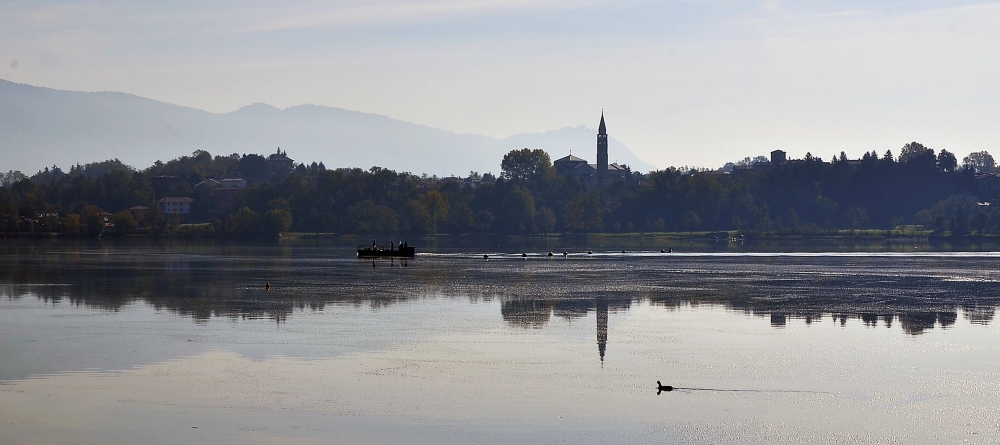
(92, 220)
(980, 162)
(124, 222)
(584, 213)
(526, 165)
(800, 196)
(10, 219)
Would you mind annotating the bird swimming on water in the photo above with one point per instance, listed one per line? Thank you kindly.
(660, 387)
(267, 286)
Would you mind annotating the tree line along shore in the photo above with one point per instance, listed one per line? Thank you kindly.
(919, 193)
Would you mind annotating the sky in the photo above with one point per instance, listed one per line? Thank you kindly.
(681, 83)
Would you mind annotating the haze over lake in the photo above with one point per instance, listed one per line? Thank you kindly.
(142, 341)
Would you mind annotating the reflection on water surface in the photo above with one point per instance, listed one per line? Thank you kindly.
(858, 347)
(918, 291)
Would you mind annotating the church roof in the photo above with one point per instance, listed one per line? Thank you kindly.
(602, 129)
(570, 158)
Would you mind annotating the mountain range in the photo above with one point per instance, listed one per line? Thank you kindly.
(42, 127)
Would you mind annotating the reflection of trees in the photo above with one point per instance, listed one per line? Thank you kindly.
(535, 313)
(914, 323)
(979, 313)
(204, 280)
(526, 313)
(918, 293)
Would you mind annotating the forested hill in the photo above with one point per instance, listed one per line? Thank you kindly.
(44, 127)
(807, 196)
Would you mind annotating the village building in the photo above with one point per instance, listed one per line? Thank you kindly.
(450, 180)
(222, 195)
(987, 186)
(233, 183)
(281, 165)
(208, 184)
(778, 157)
(138, 212)
(174, 204)
(593, 175)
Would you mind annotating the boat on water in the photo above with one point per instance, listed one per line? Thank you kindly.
(373, 251)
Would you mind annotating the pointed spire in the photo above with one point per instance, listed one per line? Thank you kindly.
(602, 328)
(602, 129)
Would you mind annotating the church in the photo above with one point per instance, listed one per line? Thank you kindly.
(593, 175)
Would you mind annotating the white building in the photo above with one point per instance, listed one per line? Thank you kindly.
(233, 183)
(173, 204)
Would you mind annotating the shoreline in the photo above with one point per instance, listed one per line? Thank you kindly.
(733, 236)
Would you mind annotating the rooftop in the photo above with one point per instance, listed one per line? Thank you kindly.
(570, 158)
(174, 199)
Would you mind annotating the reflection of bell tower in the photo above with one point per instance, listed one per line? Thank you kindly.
(602, 327)
(602, 152)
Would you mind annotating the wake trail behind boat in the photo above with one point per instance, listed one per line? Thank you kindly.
(661, 387)
(678, 388)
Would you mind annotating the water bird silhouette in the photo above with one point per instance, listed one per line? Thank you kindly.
(661, 387)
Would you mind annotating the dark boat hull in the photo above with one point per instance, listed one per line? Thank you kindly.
(402, 252)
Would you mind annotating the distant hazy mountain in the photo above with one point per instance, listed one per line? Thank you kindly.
(43, 127)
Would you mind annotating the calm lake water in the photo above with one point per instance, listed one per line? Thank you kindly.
(179, 342)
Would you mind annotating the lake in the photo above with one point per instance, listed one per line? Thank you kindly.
(141, 341)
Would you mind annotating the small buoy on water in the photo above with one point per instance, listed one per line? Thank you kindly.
(267, 286)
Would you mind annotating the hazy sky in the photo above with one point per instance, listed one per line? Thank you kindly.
(681, 82)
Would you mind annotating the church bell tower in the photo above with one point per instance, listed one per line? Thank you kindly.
(602, 153)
